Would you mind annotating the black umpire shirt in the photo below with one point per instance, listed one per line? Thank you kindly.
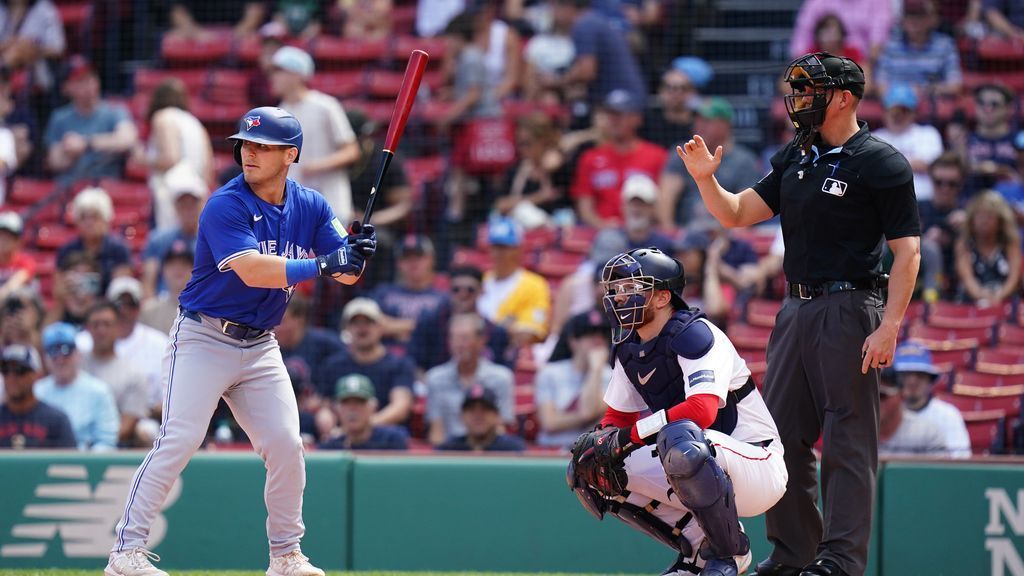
(836, 205)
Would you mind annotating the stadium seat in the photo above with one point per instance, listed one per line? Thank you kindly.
(969, 383)
(404, 45)
(464, 256)
(126, 193)
(986, 435)
(147, 79)
(935, 338)
(1001, 52)
(950, 360)
(557, 263)
(26, 191)
(1000, 361)
(578, 238)
(333, 53)
(1008, 405)
(949, 315)
(228, 87)
(180, 52)
(747, 336)
(340, 84)
(1011, 335)
(762, 312)
(53, 236)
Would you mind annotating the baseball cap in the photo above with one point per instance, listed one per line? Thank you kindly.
(845, 71)
(22, 355)
(361, 307)
(588, 323)
(179, 250)
(1018, 141)
(11, 222)
(354, 386)
(78, 67)
(124, 285)
(295, 60)
(696, 69)
(620, 100)
(641, 187)
(414, 244)
(900, 95)
(716, 108)
(59, 338)
(913, 357)
(182, 179)
(504, 232)
(482, 395)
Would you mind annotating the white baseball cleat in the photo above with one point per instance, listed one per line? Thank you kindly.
(134, 562)
(292, 564)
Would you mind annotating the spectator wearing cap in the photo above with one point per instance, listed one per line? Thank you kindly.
(929, 425)
(482, 422)
(921, 144)
(178, 153)
(919, 55)
(303, 344)
(681, 204)
(513, 296)
(670, 118)
(640, 214)
(160, 311)
(569, 392)
(330, 148)
(89, 137)
(538, 185)
(25, 421)
(355, 402)
(188, 193)
(413, 295)
(428, 346)
(392, 375)
(989, 148)
(603, 62)
(126, 382)
(17, 268)
(31, 34)
(448, 383)
(88, 402)
(602, 170)
(867, 23)
(93, 211)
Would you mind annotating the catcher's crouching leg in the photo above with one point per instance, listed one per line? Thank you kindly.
(703, 487)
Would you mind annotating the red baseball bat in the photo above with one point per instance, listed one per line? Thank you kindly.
(399, 116)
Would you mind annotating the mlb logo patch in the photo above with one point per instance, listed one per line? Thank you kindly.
(251, 122)
(834, 187)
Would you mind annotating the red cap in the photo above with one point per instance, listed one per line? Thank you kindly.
(78, 67)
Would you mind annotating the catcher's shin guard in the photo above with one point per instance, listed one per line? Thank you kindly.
(702, 486)
(643, 520)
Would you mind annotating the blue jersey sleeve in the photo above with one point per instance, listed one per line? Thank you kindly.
(330, 233)
(225, 225)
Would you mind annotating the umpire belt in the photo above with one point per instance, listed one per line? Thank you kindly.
(809, 291)
(229, 328)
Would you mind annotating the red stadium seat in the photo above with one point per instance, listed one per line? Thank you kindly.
(147, 79)
(762, 312)
(25, 191)
(425, 169)
(180, 52)
(1000, 361)
(127, 193)
(557, 264)
(334, 53)
(981, 384)
(404, 45)
(747, 336)
(344, 84)
(949, 315)
(53, 236)
(984, 433)
(578, 238)
(1008, 405)
(1005, 52)
(949, 360)
(469, 257)
(228, 87)
(935, 338)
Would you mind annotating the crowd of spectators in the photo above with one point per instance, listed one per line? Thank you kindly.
(434, 347)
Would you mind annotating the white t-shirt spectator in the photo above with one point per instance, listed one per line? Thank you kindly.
(938, 429)
(433, 15)
(918, 143)
(8, 158)
(560, 384)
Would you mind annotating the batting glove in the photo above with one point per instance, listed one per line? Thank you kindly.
(344, 260)
(363, 239)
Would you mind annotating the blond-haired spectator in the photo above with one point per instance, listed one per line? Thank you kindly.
(93, 211)
(988, 252)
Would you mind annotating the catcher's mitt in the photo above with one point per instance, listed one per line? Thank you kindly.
(598, 459)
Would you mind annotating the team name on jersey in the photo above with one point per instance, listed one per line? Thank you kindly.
(291, 250)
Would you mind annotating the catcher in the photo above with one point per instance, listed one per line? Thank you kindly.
(708, 453)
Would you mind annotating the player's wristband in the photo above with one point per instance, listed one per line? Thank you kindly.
(296, 271)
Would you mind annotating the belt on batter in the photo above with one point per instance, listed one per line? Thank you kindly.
(229, 328)
(809, 291)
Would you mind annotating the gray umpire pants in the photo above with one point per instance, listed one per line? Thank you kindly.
(814, 387)
(200, 366)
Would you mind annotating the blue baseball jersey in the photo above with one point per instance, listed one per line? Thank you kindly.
(237, 222)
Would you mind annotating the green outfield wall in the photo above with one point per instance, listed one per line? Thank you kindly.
(455, 513)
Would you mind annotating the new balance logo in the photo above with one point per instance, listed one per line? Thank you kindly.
(67, 504)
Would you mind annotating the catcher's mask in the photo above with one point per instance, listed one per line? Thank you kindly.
(813, 79)
(630, 280)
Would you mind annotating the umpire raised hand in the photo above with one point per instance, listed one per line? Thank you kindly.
(840, 192)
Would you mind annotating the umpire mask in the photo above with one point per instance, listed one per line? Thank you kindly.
(813, 79)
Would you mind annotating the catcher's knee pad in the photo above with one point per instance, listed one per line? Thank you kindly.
(643, 520)
(702, 486)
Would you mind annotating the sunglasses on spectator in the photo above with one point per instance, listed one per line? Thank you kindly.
(467, 288)
(991, 103)
(14, 369)
(946, 183)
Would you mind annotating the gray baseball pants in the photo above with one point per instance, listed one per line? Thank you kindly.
(200, 366)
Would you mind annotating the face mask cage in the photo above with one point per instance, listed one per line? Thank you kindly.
(812, 91)
(627, 291)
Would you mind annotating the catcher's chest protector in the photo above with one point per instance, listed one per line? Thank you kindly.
(653, 368)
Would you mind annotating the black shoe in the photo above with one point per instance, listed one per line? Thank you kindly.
(720, 567)
(823, 567)
(681, 567)
(769, 567)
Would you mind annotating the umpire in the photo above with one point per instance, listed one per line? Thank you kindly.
(840, 192)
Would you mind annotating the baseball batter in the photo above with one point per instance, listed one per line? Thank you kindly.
(718, 453)
(256, 238)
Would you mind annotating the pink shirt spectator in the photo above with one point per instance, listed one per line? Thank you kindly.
(867, 23)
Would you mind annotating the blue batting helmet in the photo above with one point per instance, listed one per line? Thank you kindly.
(268, 125)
